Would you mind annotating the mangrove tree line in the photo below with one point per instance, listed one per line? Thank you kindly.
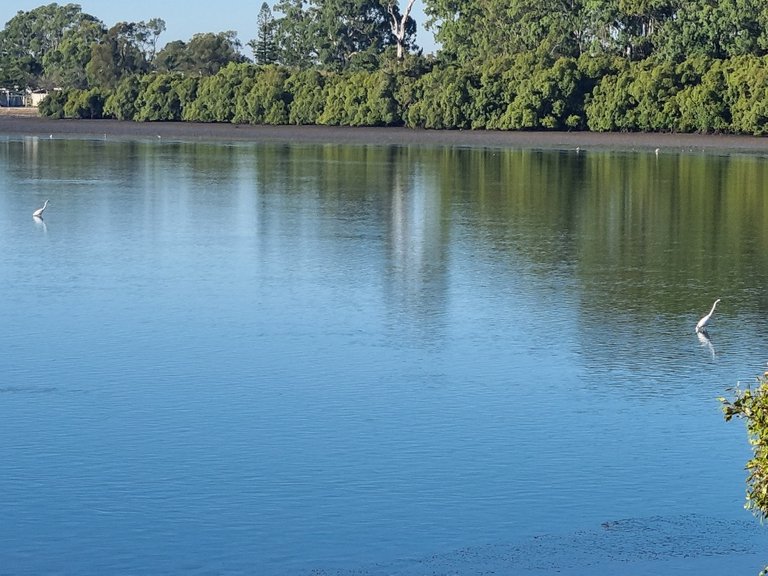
(603, 65)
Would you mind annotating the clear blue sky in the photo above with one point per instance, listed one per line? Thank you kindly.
(183, 18)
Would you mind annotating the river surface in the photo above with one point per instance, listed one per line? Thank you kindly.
(325, 359)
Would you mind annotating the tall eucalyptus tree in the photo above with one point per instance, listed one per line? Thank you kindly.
(471, 30)
(402, 25)
(205, 54)
(29, 37)
(116, 55)
(340, 34)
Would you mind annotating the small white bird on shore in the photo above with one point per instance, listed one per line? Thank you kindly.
(39, 212)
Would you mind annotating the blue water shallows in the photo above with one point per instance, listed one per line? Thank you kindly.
(282, 359)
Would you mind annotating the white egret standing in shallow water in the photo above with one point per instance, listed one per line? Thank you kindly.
(39, 212)
(702, 324)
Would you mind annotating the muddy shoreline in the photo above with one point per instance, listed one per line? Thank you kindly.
(188, 131)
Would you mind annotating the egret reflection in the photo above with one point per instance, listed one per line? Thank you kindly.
(40, 223)
(706, 342)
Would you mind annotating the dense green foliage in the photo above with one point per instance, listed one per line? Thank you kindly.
(751, 404)
(511, 93)
(608, 65)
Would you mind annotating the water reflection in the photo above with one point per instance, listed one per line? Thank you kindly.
(418, 252)
(40, 223)
(299, 355)
(706, 342)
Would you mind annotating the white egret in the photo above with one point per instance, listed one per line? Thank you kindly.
(39, 212)
(701, 324)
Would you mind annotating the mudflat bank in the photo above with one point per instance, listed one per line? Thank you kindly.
(16, 125)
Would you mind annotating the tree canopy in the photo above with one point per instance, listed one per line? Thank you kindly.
(635, 29)
(38, 43)
(625, 65)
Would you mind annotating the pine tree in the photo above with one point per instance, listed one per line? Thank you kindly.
(264, 46)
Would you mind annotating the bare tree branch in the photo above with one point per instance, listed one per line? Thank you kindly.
(399, 27)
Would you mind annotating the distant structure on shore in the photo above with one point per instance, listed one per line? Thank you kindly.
(11, 98)
(21, 98)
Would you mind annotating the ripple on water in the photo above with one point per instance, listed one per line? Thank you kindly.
(691, 544)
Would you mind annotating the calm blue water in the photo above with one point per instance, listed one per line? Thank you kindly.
(277, 359)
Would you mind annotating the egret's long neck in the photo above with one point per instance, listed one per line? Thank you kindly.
(713, 307)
